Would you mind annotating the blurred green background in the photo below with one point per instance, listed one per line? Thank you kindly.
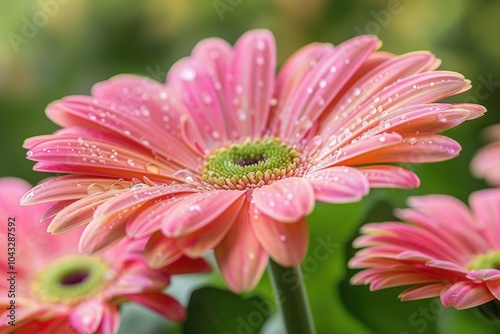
(53, 48)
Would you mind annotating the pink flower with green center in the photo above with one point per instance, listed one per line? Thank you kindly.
(444, 250)
(486, 163)
(58, 290)
(227, 156)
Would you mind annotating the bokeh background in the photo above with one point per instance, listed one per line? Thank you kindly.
(53, 48)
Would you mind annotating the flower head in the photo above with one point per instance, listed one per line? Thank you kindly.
(56, 289)
(226, 156)
(486, 163)
(444, 250)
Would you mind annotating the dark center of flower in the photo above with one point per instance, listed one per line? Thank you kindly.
(490, 260)
(251, 164)
(70, 278)
(74, 278)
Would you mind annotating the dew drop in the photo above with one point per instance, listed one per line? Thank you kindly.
(130, 162)
(273, 102)
(139, 185)
(323, 83)
(29, 153)
(356, 92)
(116, 186)
(80, 140)
(95, 188)
(382, 139)
(333, 69)
(261, 45)
(441, 118)
(152, 168)
(283, 237)
(188, 74)
(251, 255)
(216, 134)
(260, 61)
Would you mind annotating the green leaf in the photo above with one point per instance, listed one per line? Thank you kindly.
(213, 310)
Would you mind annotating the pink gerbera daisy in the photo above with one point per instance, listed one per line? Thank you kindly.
(226, 156)
(52, 288)
(445, 250)
(486, 164)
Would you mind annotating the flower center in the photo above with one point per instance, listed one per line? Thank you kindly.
(490, 260)
(70, 279)
(251, 164)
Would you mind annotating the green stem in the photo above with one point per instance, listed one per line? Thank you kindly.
(292, 297)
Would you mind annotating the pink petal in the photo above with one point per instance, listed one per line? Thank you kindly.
(186, 265)
(147, 123)
(287, 200)
(291, 75)
(195, 244)
(338, 184)
(484, 274)
(494, 287)
(69, 187)
(251, 82)
(486, 207)
(286, 243)
(97, 237)
(87, 151)
(486, 163)
(322, 83)
(196, 91)
(240, 257)
(161, 250)
(198, 210)
(79, 213)
(356, 149)
(160, 303)
(422, 292)
(372, 83)
(464, 295)
(87, 316)
(422, 149)
(390, 177)
(110, 320)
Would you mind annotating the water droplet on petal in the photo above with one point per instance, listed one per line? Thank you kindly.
(323, 83)
(138, 186)
(356, 91)
(441, 118)
(188, 74)
(130, 162)
(152, 168)
(283, 237)
(95, 188)
(116, 186)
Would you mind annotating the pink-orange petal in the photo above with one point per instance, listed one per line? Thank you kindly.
(87, 316)
(386, 176)
(338, 184)
(195, 244)
(160, 303)
(286, 243)
(110, 320)
(241, 258)
(161, 251)
(287, 200)
(197, 210)
(422, 292)
(251, 82)
(464, 295)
